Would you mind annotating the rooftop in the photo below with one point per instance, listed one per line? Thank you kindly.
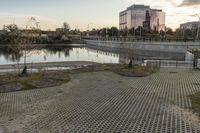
(140, 7)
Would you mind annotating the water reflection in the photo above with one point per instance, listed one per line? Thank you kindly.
(138, 56)
(57, 50)
(10, 55)
(57, 54)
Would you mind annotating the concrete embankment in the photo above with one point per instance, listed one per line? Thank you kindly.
(168, 54)
(176, 47)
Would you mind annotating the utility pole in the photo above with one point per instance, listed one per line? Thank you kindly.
(197, 37)
(198, 29)
(184, 31)
(88, 28)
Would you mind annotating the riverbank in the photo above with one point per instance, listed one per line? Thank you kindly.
(11, 82)
(176, 47)
(67, 64)
(51, 45)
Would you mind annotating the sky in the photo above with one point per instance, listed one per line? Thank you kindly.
(84, 14)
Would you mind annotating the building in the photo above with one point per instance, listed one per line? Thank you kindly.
(189, 26)
(2, 32)
(141, 15)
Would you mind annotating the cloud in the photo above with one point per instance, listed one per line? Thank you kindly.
(160, 3)
(190, 2)
(22, 19)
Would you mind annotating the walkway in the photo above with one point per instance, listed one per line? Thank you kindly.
(106, 103)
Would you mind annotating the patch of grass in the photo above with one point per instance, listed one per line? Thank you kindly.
(105, 67)
(36, 80)
(63, 77)
(26, 82)
(55, 78)
(195, 99)
(137, 69)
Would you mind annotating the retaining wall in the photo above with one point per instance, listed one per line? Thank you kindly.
(177, 47)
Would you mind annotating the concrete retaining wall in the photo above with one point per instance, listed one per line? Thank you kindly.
(177, 47)
(173, 48)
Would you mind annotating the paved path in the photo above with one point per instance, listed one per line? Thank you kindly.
(106, 103)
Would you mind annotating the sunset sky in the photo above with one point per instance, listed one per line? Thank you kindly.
(97, 13)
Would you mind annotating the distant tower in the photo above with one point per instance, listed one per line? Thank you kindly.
(146, 23)
(158, 24)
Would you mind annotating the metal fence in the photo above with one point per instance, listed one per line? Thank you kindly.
(170, 63)
(139, 39)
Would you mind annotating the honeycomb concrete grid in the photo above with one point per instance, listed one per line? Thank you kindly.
(103, 102)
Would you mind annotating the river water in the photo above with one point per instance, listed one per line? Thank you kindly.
(59, 54)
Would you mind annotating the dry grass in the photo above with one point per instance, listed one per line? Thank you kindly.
(195, 99)
(135, 71)
(55, 78)
(27, 82)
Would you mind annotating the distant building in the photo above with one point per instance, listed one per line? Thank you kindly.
(60, 30)
(141, 15)
(189, 26)
(2, 32)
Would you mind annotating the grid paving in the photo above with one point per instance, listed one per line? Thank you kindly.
(103, 102)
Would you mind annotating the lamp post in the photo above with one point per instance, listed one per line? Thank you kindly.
(88, 28)
(198, 28)
(197, 37)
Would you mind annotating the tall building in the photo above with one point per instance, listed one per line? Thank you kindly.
(141, 15)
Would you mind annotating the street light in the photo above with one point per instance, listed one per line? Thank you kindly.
(198, 29)
(88, 28)
(197, 37)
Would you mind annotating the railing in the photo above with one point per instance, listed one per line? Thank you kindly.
(170, 63)
(140, 39)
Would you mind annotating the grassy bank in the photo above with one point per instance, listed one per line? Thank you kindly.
(13, 82)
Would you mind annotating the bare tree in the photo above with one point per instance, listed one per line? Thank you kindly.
(66, 28)
(21, 43)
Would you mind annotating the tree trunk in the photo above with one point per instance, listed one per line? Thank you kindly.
(130, 65)
(24, 72)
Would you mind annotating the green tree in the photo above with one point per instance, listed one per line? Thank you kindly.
(114, 31)
(132, 31)
(139, 31)
(169, 31)
(124, 32)
(162, 34)
(103, 32)
(178, 34)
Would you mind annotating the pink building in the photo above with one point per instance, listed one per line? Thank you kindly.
(138, 15)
